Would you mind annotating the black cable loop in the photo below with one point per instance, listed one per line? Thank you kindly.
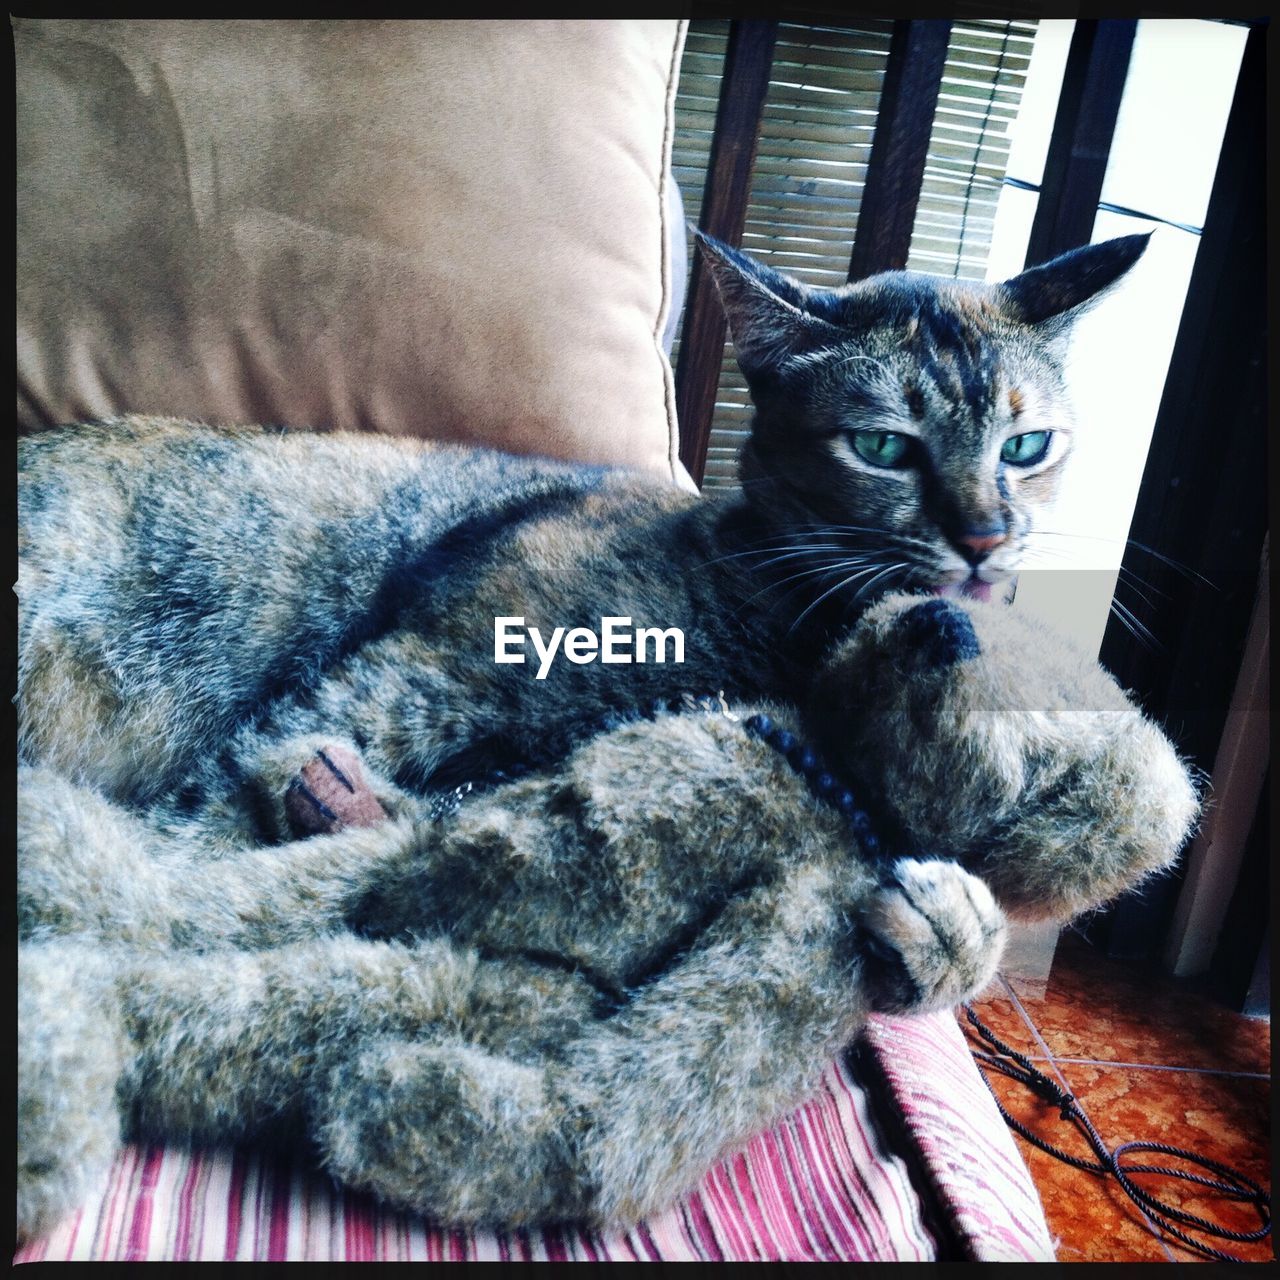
(1238, 1188)
(1237, 1191)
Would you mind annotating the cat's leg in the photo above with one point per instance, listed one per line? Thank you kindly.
(309, 783)
(88, 866)
(933, 936)
(743, 1028)
(453, 1131)
(72, 1048)
(493, 1092)
(711, 1051)
(634, 1108)
(228, 1044)
(632, 1111)
(330, 793)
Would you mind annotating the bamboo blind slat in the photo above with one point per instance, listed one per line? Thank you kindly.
(969, 149)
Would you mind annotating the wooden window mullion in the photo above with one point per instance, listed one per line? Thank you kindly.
(1203, 498)
(1203, 495)
(1080, 145)
(743, 88)
(895, 170)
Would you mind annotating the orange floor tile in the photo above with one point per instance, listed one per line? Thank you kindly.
(1147, 1060)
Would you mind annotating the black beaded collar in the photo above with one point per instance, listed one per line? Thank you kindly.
(822, 781)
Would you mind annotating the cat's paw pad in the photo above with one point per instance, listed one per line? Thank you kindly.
(934, 936)
(940, 634)
(330, 792)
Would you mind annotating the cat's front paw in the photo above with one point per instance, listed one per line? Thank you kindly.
(934, 936)
(329, 793)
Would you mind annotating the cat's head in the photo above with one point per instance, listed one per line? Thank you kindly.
(908, 428)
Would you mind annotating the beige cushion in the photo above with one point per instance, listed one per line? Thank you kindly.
(454, 229)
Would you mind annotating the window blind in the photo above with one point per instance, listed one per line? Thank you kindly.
(969, 147)
(815, 142)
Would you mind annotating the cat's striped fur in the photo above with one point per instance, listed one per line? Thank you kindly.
(202, 609)
(193, 598)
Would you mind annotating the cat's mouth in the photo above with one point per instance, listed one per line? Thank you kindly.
(975, 587)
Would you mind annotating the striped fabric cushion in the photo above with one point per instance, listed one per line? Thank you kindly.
(818, 1186)
(969, 1165)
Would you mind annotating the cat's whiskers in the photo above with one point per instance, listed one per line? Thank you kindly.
(818, 571)
(837, 549)
(864, 528)
(1121, 612)
(890, 539)
(897, 567)
(1177, 565)
(1134, 626)
(850, 528)
(799, 537)
(766, 565)
(878, 568)
(861, 558)
(776, 536)
(1135, 584)
(809, 528)
(794, 549)
(830, 566)
(1126, 577)
(800, 579)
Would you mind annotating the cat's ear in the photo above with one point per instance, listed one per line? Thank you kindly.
(1053, 294)
(768, 321)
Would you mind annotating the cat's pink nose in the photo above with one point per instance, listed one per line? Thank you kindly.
(978, 545)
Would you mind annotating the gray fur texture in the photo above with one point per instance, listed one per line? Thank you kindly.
(568, 998)
(202, 610)
(193, 598)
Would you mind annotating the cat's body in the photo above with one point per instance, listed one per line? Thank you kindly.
(568, 996)
(561, 1001)
(201, 610)
(192, 598)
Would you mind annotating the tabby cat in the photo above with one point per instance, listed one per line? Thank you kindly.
(202, 609)
(206, 613)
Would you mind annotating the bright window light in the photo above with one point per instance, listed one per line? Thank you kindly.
(1162, 163)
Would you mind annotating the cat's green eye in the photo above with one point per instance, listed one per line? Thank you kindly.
(883, 448)
(1026, 449)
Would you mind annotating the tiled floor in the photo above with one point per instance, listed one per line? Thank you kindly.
(1147, 1060)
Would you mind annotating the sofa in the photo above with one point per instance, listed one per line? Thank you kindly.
(466, 230)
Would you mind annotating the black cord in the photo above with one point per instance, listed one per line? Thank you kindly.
(1011, 1063)
(1121, 209)
(982, 140)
